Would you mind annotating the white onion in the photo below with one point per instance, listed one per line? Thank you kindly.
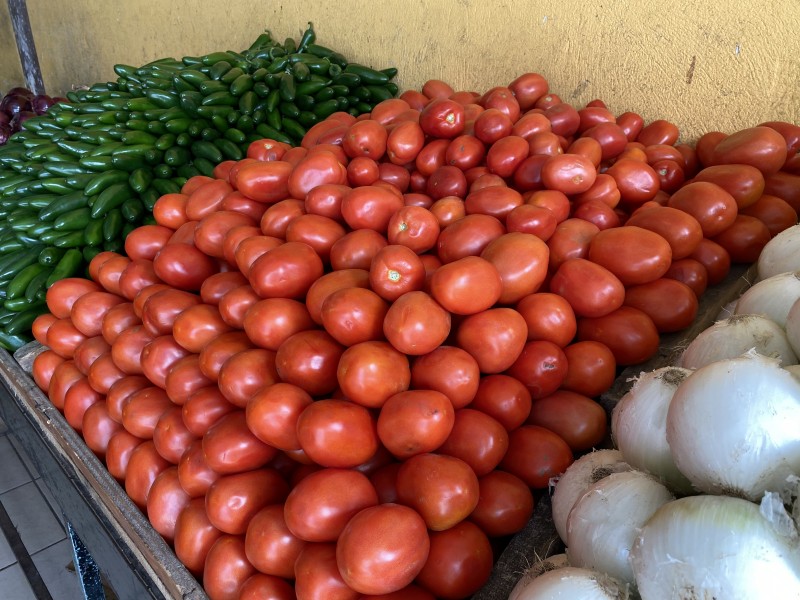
(714, 547)
(793, 326)
(733, 428)
(639, 426)
(588, 469)
(781, 254)
(556, 561)
(771, 298)
(572, 583)
(604, 522)
(733, 337)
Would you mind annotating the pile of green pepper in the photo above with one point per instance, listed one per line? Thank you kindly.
(81, 177)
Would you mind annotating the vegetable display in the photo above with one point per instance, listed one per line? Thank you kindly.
(80, 177)
(392, 335)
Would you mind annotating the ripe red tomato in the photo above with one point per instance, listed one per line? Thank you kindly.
(204, 408)
(714, 258)
(272, 414)
(286, 271)
(414, 422)
(636, 180)
(79, 397)
(184, 378)
(277, 217)
(505, 504)
(165, 502)
(245, 373)
(536, 454)
(259, 586)
(774, 212)
(337, 433)
(98, 428)
(193, 471)
(216, 286)
(590, 288)
(144, 465)
(690, 272)
(220, 349)
(269, 544)
(570, 239)
(184, 267)
(142, 410)
(576, 418)
(744, 182)
(628, 332)
(633, 254)
(494, 338)
(394, 271)
(528, 88)
(354, 315)
(416, 324)
(232, 500)
(744, 239)
(370, 207)
(309, 360)
(591, 368)
(171, 437)
(382, 549)
(226, 568)
(230, 447)
(713, 207)
(761, 147)
(266, 182)
(466, 286)
(468, 237)
(681, 230)
(568, 173)
(521, 259)
(671, 305)
(449, 370)
(370, 372)
(194, 536)
(478, 439)
(356, 249)
(88, 351)
(323, 167)
(317, 576)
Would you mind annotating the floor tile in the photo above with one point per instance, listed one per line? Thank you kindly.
(31, 515)
(54, 566)
(6, 553)
(14, 584)
(24, 456)
(13, 473)
(51, 501)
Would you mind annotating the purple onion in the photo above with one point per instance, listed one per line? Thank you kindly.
(41, 103)
(19, 119)
(4, 118)
(12, 104)
(20, 91)
(5, 133)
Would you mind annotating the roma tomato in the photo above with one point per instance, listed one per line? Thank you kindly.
(244, 373)
(356, 249)
(232, 500)
(309, 360)
(118, 454)
(494, 338)
(528, 88)
(713, 207)
(761, 147)
(591, 368)
(142, 410)
(591, 289)
(466, 286)
(535, 455)
(317, 231)
(577, 419)
(414, 422)
(370, 372)
(158, 357)
(536, 220)
(269, 544)
(370, 207)
(449, 370)
(44, 365)
(230, 447)
(266, 182)
(144, 465)
(636, 180)
(570, 239)
(330, 283)
(496, 201)
(98, 428)
(354, 315)
(194, 536)
(549, 317)
(744, 239)
(260, 586)
(744, 182)
(468, 236)
(478, 439)
(317, 168)
(204, 408)
(541, 367)
(171, 437)
(79, 397)
(416, 324)
(165, 502)
(442, 118)
(183, 267)
(396, 270)
(774, 212)
(286, 271)
(184, 378)
(690, 272)
(628, 332)
(63, 293)
(337, 433)
(671, 305)
(193, 471)
(569, 173)
(521, 260)
(317, 576)
(681, 230)
(633, 254)
(415, 227)
(272, 414)
(226, 568)
(505, 504)
(277, 217)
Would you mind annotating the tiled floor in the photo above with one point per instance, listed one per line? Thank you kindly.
(45, 555)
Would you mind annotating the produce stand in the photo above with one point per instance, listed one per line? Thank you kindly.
(135, 560)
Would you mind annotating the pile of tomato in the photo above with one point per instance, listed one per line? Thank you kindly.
(341, 370)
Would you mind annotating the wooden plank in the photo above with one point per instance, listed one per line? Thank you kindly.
(18, 10)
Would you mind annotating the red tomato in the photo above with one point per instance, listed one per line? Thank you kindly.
(495, 338)
(265, 181)
(546, 143)
(354, 315)
(785, 186)
(449, 370)
(549, 317)
(103, 373)
(183, 267)
(633, 254)
(170, 210)
(521, 259)
(136, 276)
(309, 360)
(109, 273)
(631, 124)
(88, 351)
(466, 286)
(591, 368)
(571, 239)
(184, 378)
(370, 207)
(286, 271)
(230, 447)
(98, 428)
(448, 210)
(506, 154)
(213, 228)
(142, 410)
(382, 549)
(79, 397)
(442, 118)
(416, 324)
(536, 220)
(319, 168)
(362, 170)
(269, 544)
(44, 365)
(459, 562)
(118, 453)
(446, 180)
(365, 138)
(126, 351)
(239, 203)
(478, 439)
(144, 465)
(599, 213)
(206, 199)
(414, 422)
(497, 201)
(468, 237)
(370, 372)
(233, 500)
(162, 308)
(535, 455)
(193, 471)
(628, 332)
(165, 502)
(505, 504)
(260, 586)
(637, 181)
(272, 414)
(492, 125)
(504, 398)
(564, 118)
(761, 147)
(356, 249)
(40, 326)
(171, 437)
(277, 217)
(244, 373)
(690, 272)
(541, 367)
(671, 305)
(317, 576)
(611, 138)
(774, 212)
(577, 419)
(194, 536)
(63, 293)
(318, 507)
(233, 306)
(326, 200)
(64, 376)
(713, 207)
(337, 433)
(251, 249)
(394, 271)
(465, 152)
(568, 173)
(226, 568)
(158, 356)
(119, 393)
(744, 239)
(681, 230)
(405, 142)
(744, 182)
(557, 202)
(591, 289)
(432, 156)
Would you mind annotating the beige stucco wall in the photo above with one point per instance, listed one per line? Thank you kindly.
(10, 68)
(722, 65)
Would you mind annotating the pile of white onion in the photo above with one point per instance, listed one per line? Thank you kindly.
(700, 498)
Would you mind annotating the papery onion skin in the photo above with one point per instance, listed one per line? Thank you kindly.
(771, 297)
(605, 521)
(792, 326)
(575, 583)
(736, 335)
(551, 563)
(781, 254)
(732, 427)
(585, 471)
(639, 426)
(718, 544)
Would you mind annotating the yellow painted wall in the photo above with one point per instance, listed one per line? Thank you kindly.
(720, 65)
(10, 67)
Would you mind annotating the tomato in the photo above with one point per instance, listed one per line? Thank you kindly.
(545, 143)
(269, 544)
(496, 201)
(576, 418)
(414, 422)
(506, 154)
(681, 230)
(120, 446)
(165, 502)
(260, 586)
(459, 562)
(144, 465)
(277, 217)
(213, 228)
(354, 315)
(744, 182)
(492, 125)
(713, 207)
(184, 378)
(230, 447)
(206, 199)
(251, 249)
(591, 289)
(628, 332)
(78, 398)
(265, 181)
(671, 305)
(308, 359)
(286, 271)
(40, 326)
(432, 156)
(495, 338)
(142, 410)
(272, 413)
(63, 293)
(110, 271)
(193, 471)
(319, 168)
(317, 231)
(370, 207)
(528, 88)
(446, 180)
(785, 186)
(171, 437)
(691, 273)
(570, 239)
(505, 504)
(183, 267)
(232, 500)
(170, 210)
(478, 439)
(468, 237)
(633, 254)
(365, 138)
(501, 98)
(448, 210)
(238, 203)
(126, 351)
(774, 212)
(465, 152)
(64, 376)
(326, 200)
(791, 133)
(317, 575)
(744, 239)
(637, 181)
(356, 249)
(394, 175)
(442, 489)
(521, 259)
(158, 356)
(162, 308)
(535, 455)
(137, 275)
(98, 428)
(396, 270)
(145, 241)
(362, 170)
(564, 119)
(549, 317)
(449, 370)
(244, 373)
(705, 144)
(88, 351)
(416, 324)
(541, 367)
(761, 147)
(588, 148)
(44, 365)
(226, 568)
(442, 118)
(382, 549)
(631, 124)
(467, 285)
(535, 220)
(387, 111)
(569, 173)
(591, 368)
(370, 372)
(337, 433)
(119, 393)
(670, 175)
(194, 536)
(503, 398)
